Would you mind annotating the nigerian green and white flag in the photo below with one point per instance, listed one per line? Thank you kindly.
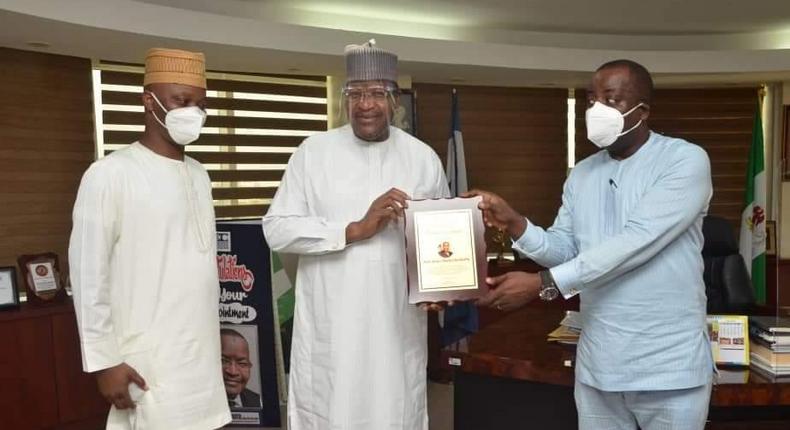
(752, 244)
(283, 281)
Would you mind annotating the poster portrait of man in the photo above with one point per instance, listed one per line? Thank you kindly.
(240, 367)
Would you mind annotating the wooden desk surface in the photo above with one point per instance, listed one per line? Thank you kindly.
(28, 310)
(515, 347)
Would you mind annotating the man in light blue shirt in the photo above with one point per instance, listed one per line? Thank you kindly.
(628, 240)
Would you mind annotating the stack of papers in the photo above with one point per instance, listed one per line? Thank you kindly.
(771, 345)
(569, 330)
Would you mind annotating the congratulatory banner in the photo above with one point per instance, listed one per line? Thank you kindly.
(246, 315)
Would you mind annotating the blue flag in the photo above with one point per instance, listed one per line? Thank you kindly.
(460, 320)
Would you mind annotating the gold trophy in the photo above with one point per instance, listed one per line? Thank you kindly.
(501, 240)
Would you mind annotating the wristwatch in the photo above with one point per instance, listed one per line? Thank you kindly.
(548, 288)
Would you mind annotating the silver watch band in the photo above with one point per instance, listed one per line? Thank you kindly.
(548, 288)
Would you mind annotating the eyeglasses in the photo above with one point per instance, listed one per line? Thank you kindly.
(356, 95)
(241, 364)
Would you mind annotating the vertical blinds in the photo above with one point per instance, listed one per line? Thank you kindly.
(718, 119)
(254, 124)
(515, 141)
(46, 134)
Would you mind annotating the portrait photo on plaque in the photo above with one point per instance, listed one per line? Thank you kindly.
(9, 293)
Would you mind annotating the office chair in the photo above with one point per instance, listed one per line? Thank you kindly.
(727, 282)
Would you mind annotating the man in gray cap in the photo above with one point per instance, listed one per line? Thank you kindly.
(359, 349)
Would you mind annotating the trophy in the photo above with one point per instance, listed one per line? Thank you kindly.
(42, 278)
(500, 240)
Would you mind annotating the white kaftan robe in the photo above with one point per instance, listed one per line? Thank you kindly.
(144, 276)
(359, 350)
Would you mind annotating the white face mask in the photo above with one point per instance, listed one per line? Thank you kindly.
(605, 124)
(182, 124)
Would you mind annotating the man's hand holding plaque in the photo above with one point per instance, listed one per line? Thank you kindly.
(513, 289)
(497, 213)
(386, 208)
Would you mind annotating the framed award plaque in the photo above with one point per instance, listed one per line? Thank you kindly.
(445, 250)
(9, 295)
(41, 276)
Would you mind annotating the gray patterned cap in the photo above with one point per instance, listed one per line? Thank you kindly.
(367, 62)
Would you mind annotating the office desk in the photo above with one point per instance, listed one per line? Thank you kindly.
(512, 378)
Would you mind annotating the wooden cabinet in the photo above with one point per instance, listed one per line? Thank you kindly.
(42, 385)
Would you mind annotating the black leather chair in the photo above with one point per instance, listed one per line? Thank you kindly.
(727, 282)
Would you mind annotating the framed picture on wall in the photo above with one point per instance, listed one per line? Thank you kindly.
(405, 116)
(9, 294)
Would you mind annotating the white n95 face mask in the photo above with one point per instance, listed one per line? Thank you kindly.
(182, 124)
(605, 124)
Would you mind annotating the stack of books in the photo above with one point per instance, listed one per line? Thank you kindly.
(569, 330)
(770, 349)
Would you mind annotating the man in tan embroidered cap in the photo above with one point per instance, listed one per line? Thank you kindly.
(143, 264)
(359, 349)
